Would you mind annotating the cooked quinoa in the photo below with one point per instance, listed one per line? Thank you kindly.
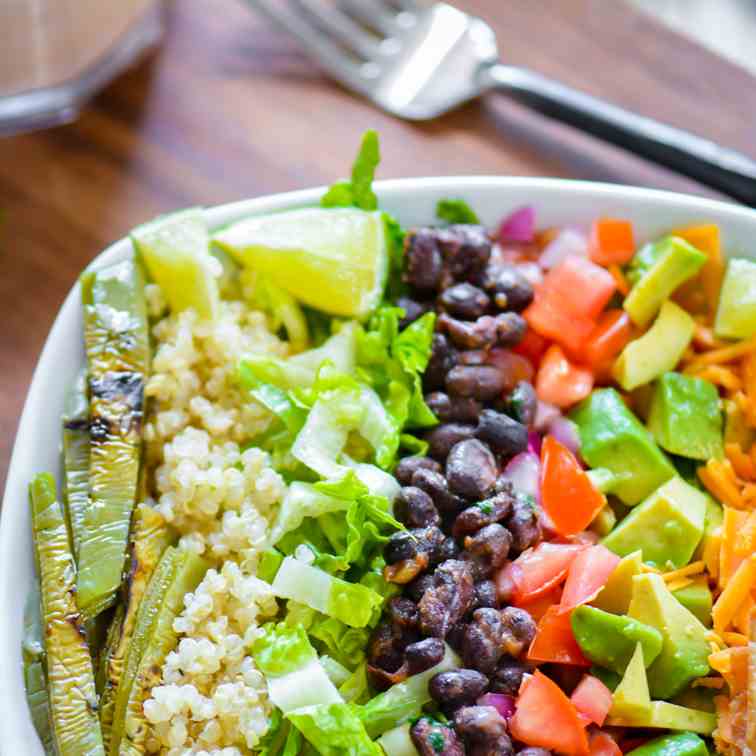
(218, 495)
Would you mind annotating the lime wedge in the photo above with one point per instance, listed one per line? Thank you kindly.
(334, 260)
(175, 249)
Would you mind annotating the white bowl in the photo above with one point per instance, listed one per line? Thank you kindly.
(413, 201)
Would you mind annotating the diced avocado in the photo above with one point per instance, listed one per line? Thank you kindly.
(609, 678)
(736, 314)
(712, 522)
(680, 744)
(657, 351)
(643, 261)
(604, 521)
(666, 527)
(640, 399)
(676, 261)
(685, 418)
(736, 427)
(697, 698)
(609, 640)
(612, 437)
(631, 697)
(667, 716)
(696, 598)
(685, 652)
(616, 594)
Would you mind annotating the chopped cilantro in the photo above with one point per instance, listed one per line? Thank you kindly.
(358, 192)
(455, 211)
(436, 740)
(485, 506)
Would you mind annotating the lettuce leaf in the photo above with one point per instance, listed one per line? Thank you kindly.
(455, 210)
(334, 730)
(358, 192)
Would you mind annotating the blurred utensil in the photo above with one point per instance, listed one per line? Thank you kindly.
(418, 61)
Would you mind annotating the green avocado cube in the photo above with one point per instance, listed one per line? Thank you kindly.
(675, 262)
(697, 599)
(697, 698)
(685, 652)
(612, 437)
(685, 418)
(666, 527)
(657, 351)
(712, 522)
(736, 314)
(609, 678)
(616, 594)
(663, 715)
(609, 640)
(679, 744)
(631, 698)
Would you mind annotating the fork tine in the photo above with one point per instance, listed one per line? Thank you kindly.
(350, 33)
(375, 13)
(318, 44)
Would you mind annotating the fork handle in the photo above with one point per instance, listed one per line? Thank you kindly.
(726, 170)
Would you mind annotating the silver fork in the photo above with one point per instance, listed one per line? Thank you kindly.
(421, 60)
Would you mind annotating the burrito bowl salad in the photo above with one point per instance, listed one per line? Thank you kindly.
(331, 486)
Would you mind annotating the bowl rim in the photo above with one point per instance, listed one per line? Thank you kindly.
(218, 215)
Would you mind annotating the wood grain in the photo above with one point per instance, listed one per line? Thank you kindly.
(231, 108)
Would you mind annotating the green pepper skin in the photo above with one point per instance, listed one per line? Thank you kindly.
(117, 345)
(70, 678)
(679, 744)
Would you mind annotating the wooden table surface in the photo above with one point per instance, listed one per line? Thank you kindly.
(231, 108)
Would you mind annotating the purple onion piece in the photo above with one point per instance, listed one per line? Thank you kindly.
(503, 703)
(566, 432)
(568, 243)
(519, 225)
(523, 471)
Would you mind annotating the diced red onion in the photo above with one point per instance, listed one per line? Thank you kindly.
(566, 432)
(519, 225)
(532, 272)
(568, 243)
(524, 473)
(503, 703)
(545, 414)
(534, 442)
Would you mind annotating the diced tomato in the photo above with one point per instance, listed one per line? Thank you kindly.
(546, 718)
(611, 241)
(569, 300)
(532, 346)
(588, 574)
(541, 604)
(593, 700)
(536, 571)
(603, 744)
(560, 382)
(555, 642)
(567, 494)
(608, 339)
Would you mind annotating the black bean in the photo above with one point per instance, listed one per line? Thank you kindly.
(403, 612)
(523, 523)
(491, 543)
(412, 310)
(508, 676)
(457, 409)
(448, 598)
(504, 435)
(401, 545)
(519, 630)
(482, 726)
(418, 587)
(437, 487)
(443, 437)
(510, 328)
(464, 301)
(406, 570)
(432, 738)
(457, 687)
(424, 260)
(466, 250)
(415, 508)
(481, 645)
(456, 635)
(471, 470)
(482, 382)
(386, 647)
(443, 358)
(485, 594)
(472, 519)
(510, 289)
(522, 403)
(424, 654)
(534, 751)
(482, 333)
(430, 541)
(473, 357)
(447, 550)
(498, 747)
(408, 466)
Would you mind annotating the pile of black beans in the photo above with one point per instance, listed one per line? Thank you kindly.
(464, 522)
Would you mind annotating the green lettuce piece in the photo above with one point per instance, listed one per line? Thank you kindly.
(355, 688)
(343, 643)
(334, 730)
(359, 191)
(454, 210)
(281, 649)
(282, 309)
(267, 566)
(337, 673)
(304, 500)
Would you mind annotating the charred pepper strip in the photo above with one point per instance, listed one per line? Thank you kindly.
(179, 572)
(117, 345)
(35, 680)
(70, 678)
(76, 458)
(150, 537)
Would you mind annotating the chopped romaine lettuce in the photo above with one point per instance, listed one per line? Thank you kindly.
(359, 191)
(303, 500)
(334, 730)
(455, 211)
(398, 742)
(337, 673)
